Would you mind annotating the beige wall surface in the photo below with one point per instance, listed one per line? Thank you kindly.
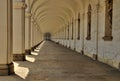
(5, 32)
(107, 51)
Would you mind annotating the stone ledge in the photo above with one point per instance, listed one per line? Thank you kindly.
(19, 57)
(6, 69)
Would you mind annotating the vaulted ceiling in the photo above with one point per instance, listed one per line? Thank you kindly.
(51, 15)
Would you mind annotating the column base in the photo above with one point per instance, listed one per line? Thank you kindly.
(19, 57)
(32, 49)
(57, 42)
(6, 69)
(95, 57)
(28, 51)
(74, 49)
(82, 52)
(119, 66)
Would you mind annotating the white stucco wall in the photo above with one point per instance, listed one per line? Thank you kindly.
(107, 51)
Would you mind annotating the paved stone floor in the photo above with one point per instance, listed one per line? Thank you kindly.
(56, 63)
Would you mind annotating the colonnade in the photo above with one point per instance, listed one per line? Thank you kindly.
(93, 31)
(19, 33)
(90, 27)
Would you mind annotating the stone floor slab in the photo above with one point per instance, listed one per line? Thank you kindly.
(56, 63)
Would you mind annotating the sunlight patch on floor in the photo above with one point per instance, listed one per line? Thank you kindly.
(34, 53)
(30, 59)
(21, 71)
(36, 50)
(40, 46)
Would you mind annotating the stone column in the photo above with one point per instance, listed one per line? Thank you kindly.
(27, 29)
(19, 30)
(35, 32)
(36, 35)
(32, 35)
(6, 58)
(27, 33)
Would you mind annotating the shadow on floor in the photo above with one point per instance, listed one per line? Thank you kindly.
(55, 63)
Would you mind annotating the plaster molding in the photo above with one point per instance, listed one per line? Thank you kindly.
(19, 5)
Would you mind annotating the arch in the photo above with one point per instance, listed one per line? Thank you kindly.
(43, 9)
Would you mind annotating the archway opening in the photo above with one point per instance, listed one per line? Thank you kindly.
(47, 36)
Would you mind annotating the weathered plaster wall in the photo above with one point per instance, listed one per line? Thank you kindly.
(106, 51)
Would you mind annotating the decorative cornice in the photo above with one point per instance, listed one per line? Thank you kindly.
(19, 5)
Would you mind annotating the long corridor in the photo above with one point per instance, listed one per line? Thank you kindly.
(56, 63)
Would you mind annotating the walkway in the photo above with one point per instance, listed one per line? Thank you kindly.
(56, 63)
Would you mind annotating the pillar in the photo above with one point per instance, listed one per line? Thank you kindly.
(37, 38)
(32, 34)
(6, 64)
(27, 29)
(19, 30)
(35, 34)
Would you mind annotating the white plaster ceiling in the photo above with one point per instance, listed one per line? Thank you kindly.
(51, 15)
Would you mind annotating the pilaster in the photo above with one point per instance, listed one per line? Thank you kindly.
(19, 30)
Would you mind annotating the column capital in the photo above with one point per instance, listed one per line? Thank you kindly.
(19, 5)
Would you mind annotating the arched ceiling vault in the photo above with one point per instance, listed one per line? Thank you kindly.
(51, 15)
